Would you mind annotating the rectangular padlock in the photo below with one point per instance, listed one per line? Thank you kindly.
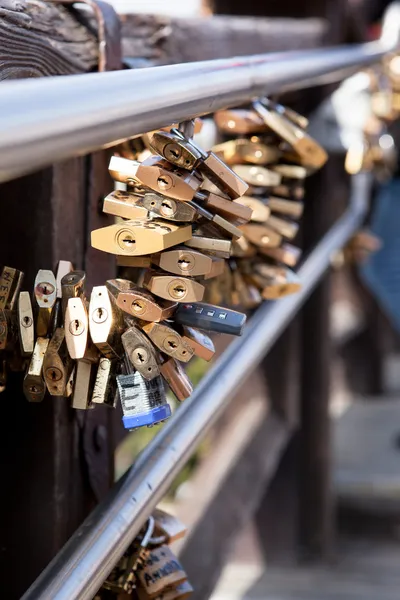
(143, 402)
(135, 238)
(139, 303)
(57, 364)
(216, 246)
(168, 208)
(125, 205)
(239, 121)
(173, 288)
(189, 263)
(201, 344)
(158, 175)
(286, 254)
(105, 385)
(257, 176)
(289, 208)
(211, 318)
(64, 267)
(76, 328)
(243, 151)
(287, 229)
(160, 571)
(260, 212)
(141, 353)
(168, 341)
(233, 211)
(227, 228)
(25, 324)
(177, 379)
(261, 236)
(83, 385)
(34, 387)
(10, 286)
(308, 151)
(105, 323)
(46, 295)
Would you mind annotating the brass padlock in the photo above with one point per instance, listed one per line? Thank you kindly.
(124, 204)
(201, 344)
(160, 571)
(136, 262)
(289, 208)
(158, 175)
(141, 353)
(257, 176)
(276, 282)
(138, 302)
(260, 211)
(105, 323)
(244, 150)
(235, 212)
(287, 112)
(294, 192)
(168, 208)
(217, 221)
(72, 286)
(57, 364)
(105, 385)
(286, 254)
(34, 387)
(261, 235)
(190, 263)
(168, 341)
(173, 288)
(239, 121)
(10, 285)
(287, 229)
(242, 248)
(309, 153)
(25, 324)
(290, 171)
(46, 296)
(135, 238)
(177, 379)
(76, 328)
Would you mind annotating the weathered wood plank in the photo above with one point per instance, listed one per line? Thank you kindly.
(164, 40)
(39, 38)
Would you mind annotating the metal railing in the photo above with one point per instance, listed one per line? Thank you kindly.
(79, 113)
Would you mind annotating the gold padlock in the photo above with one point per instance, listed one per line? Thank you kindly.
(244, 150)
(218, 247)
(239, 121)
(189, 263)
(168, 341)
(236, 212)
(286, 254)
(258, 176)
(72, 286)
(124, 204)
(173, 288)
(168, 208)
(260, 211)
(139, 303)
(287, 229)
(261, 235)
(202, 345)
(160, 571)
(34, 387)
(289, 208)
(57, 364)
(177, 379)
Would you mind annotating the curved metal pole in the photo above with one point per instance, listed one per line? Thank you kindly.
(83, 564)
(50, 119)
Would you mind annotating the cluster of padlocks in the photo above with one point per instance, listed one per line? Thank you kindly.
(149, 567)
(189, 226)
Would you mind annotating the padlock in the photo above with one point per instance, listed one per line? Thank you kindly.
(260, 210)
(105, 323)
(261, 235)
(242, 248)
(224, 225)
(143, 402)
(46, 295)
(191, 263)
(76, 328)
(64, 267)
(137, 302)
(105, 385)
(168, 526)
(85, 376)
(239, 121)
(287, 229)
(274, 282)
(244, 150)
(135, 238)
(124, 204)
(177, 379)
(72, 286)
(257, 176)
(34, 387)
(25, 324)
(135, 262)
(286, 254)
(236, 212)
(57, 364)
(285, 207)
(158, 175)
(182, 591)
(290, 172)
(160, 571)
(287, 112)
(141, 353)
(293, 191)
(10, 285)
(168, 341)
(173, 288)
(201, 344)
(168, 208)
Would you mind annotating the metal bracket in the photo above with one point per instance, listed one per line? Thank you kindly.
(108, 32)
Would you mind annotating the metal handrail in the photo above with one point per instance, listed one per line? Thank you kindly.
(50, 119)
(83, 564)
